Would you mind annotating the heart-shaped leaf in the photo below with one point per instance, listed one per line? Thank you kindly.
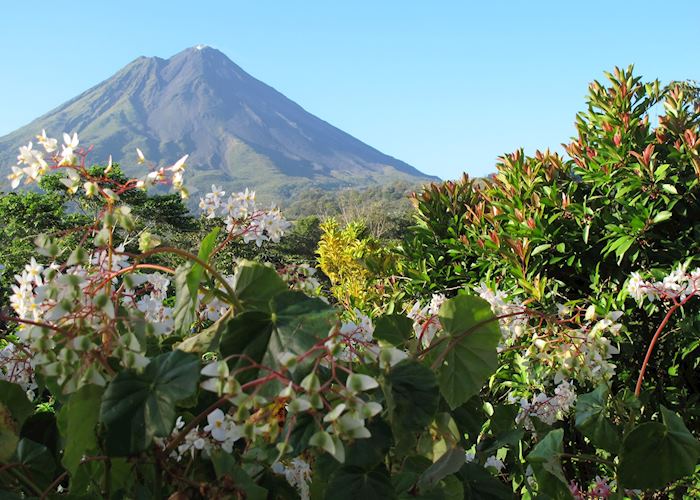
(136, 407)
(470, 355)
(592, 422)
(655, 453)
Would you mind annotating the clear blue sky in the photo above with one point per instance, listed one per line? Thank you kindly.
(444, 86)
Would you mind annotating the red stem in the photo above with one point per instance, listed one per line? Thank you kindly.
(650, 349)
(30, 322)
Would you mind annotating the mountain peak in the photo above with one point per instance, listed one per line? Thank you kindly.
(202, 50)
(238, 131)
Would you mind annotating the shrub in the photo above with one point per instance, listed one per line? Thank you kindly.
(575, 233)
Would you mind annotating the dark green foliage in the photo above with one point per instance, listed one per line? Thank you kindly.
(136, 407)
(23, 217)
(412, 395)
(656, 453)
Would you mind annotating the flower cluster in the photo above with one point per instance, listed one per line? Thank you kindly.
(176, 172)
(580, 352)
(352, 338)
(221, 432)
(17, 366)
(79, 302)
(31, 162)
(297, 472)
(546, 408)
(257, 416)
(243, 218)
(147, 292)
(512, 319)
(601, 489)
(425, 318)
(35, 163)
(677, 285)
(301, 277)
(68, 313)
(23, 299)
(491, 462)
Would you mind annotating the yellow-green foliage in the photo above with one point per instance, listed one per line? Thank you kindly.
(340, 255)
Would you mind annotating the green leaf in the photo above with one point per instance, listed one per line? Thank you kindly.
(449, 463)
(540, 248)
(294, 323)
(592, 422)
(451, 488)
(9, 434)
(255, 284)
(412, 397)
(470, 355)
(247, 335)
(225, 465)
(393, 328)
(206, 340)
(368, 453)
(188, 277)
(15, 398)
(136, 407)
(300, 322)
(586, 232)
(470, 418)
(351, 483)
(662, 216)
(185, 300)
(205, 249)
(76, 422)
(654, 453)
(669, 188)
(411, 468)
(480, 484)
(38, 464)
(545, 461)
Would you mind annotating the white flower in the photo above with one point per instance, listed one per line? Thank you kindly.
(548, 409)
(67, 156)
(49, 144)
(298, 475)
(71, 142)
(494, 462)
(217, 425)
(16, 176)
(68, 149)
(26, 155)
(179, 165)
(425, 320)
(34, 271)
(141, 158)
(72, 181)
(216, 192)
(436, 302)
(512, 327)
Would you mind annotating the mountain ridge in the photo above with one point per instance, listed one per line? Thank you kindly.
(238, 130)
